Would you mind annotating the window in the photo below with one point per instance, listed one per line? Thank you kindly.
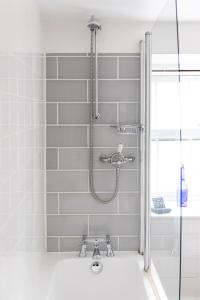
(175, 106)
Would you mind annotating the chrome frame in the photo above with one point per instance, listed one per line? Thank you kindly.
(147, 211)
(142, 143)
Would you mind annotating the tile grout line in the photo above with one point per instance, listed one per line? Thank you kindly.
(104, 192)
(98, 147)
(100, 192)
(86, 79)
(100, 235)
(95, 169)
(85, 102)
(86, 54)
(82, 125)
(97, 214)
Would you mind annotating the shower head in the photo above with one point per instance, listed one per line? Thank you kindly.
(93, 24)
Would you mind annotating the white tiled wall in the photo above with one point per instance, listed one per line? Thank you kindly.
(21, 152)
(167, 262)
(22, 144)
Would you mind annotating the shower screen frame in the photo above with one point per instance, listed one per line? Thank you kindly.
(145, 147)
(169, 47)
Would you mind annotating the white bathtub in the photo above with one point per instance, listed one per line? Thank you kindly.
(122, 277)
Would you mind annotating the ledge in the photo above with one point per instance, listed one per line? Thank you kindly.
(191, 211)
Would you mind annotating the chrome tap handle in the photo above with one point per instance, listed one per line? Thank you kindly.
(96, 252)
(83, 250)
(129, 158)
(105, 159)
(110, 252)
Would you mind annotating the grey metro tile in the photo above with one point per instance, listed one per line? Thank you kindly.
(66, 90)
(114, 225)
(79, 113)
(118, 90)
(106, 136)
(52, 244)
(129, 113)
(129, 67)
(51, 158)
(52, 203)
(105, 180)
(73, 67)
(67, 181)
(67, 225)
(51, 67)
(107, 67)
(66, 136)
(51, 113)
(84, 203)
(129, 203)
(129, 243)
(74, 158)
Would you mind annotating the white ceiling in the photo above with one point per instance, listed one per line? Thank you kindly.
(137, 10)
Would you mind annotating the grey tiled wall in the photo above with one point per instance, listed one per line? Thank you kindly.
(71, 209)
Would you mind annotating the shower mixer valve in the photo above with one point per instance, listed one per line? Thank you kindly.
(118, 158)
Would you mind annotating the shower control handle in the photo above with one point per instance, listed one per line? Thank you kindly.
(117, 159)
(120, 148)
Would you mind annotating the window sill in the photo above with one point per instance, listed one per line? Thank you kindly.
(191, 211)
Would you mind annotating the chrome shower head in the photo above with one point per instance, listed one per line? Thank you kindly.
(93, 24)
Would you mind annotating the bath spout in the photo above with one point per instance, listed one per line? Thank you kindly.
(96, 251)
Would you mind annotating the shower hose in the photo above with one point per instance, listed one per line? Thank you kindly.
(91, 136)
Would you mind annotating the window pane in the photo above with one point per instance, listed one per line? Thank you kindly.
(165, 168)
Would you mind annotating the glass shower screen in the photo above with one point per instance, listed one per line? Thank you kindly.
(166, 152)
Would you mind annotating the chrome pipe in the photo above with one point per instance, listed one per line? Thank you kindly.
(96, 115)
(148, 74)
(94, 26)
(142, 143)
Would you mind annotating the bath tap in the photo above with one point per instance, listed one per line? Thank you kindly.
(110, 252)
(83, 250)
(96, 242)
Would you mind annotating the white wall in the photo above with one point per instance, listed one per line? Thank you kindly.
(73, 36)
(22, 124)
(119, 35)
(165, 37)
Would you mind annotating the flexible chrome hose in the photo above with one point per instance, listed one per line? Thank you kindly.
(91, 143)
